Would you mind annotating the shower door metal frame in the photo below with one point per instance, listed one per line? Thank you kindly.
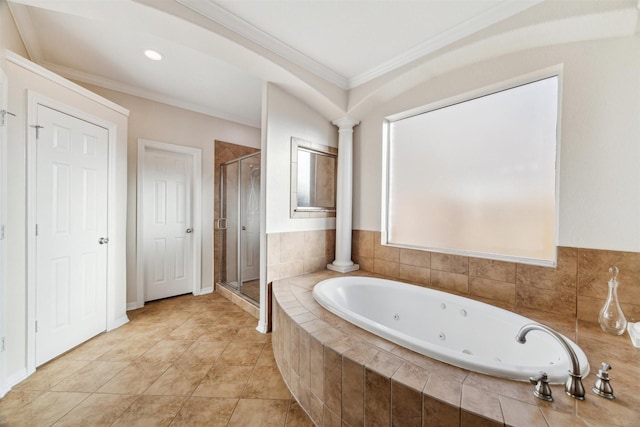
(222, 219)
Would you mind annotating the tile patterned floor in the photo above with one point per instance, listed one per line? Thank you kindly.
(183, 361)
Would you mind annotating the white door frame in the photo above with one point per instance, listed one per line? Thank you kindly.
(196, 212)
(33, 100)
(3, 219)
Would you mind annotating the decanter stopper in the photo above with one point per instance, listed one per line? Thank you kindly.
(611, 317)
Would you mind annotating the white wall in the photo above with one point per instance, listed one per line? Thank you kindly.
(163, 123)
(287, 116)
(600, 134)
(21, 79)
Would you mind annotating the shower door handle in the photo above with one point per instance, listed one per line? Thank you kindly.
(222, 223)
(189, 230)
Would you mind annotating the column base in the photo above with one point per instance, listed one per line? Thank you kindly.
(343, 268)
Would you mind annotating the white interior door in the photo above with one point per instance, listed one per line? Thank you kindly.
(71, 252)
(167, 230)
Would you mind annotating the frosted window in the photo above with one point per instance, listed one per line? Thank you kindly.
(477, 177)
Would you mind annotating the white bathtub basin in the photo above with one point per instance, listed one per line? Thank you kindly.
(455, 330)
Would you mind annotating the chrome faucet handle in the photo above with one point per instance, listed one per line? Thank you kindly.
(602, 387)
(542, 389)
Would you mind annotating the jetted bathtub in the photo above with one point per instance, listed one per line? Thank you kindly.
(453, 329)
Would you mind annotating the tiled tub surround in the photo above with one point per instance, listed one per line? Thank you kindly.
(299, 252)
(577, 288)
(344, 376)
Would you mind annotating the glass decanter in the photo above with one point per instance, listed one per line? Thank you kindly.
(611, 317)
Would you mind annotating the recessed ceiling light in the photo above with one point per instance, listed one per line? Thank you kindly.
(153, 54)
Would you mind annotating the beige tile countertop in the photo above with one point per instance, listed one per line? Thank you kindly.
(344, 376)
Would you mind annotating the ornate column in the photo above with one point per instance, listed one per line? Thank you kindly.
(344, 199)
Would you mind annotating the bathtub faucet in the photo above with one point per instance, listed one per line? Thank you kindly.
(573, 387)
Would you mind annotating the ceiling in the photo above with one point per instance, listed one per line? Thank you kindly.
(340, 56)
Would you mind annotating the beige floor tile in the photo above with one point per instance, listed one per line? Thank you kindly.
(45, 410)
(241, 354)
(224, 381)
(17, 399)
(149, 411)
(259, 412)
(128, 350)
(266, 383)
(93, 348)
(250, 334)
(203, 352)
(179, 380)
(165, 351)
(135, 378)
(266, 357)
(97, 410)
(205, 412)
(296, 417)
(188, 331)
(50, 374)
(219, 333)
(144, 372)
(90, 377)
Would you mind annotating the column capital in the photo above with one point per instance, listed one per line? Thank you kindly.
(346, 122)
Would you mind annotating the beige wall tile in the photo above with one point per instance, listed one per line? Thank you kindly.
(437, 413)
(291, 246)
(418, 275)
(406, 405)
(377, 405)
(480, 402)
(492, 289)
(314, 244)
(593, 274)
(519, 413)
(333, 381)
(363, 243)
(451, 263)
(450, 281)
(415, 258)
(386, 268)
(546, 300)
(491, 269)
(365, 263)
(386, 253)
(352, 392)
(316, 360)
(273, 249)
(562, 278)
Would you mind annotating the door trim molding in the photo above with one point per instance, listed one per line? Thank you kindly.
(33, 100)
(4, 87)
(196, 211)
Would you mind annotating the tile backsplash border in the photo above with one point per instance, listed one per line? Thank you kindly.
(576, 288)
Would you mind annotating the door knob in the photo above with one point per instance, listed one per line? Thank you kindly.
(103, 240)
(189, 230)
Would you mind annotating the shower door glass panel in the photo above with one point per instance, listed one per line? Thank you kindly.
(239, 227)
(250, 226)
(229, 228)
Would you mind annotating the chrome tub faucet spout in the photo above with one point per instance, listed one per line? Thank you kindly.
(573, 387)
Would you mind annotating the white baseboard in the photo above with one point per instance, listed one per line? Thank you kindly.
(17, 378)
(134, 305)
(262, 327)
(117, 323)
(204, 291)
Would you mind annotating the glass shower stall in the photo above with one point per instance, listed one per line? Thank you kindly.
(239, 226)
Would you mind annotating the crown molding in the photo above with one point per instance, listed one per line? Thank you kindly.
(57, 78)
(147, 94)
(24, 24)
(218, 14)
(492, 16)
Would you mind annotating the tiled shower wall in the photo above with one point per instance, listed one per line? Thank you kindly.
(576, 288)
(299, 252)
